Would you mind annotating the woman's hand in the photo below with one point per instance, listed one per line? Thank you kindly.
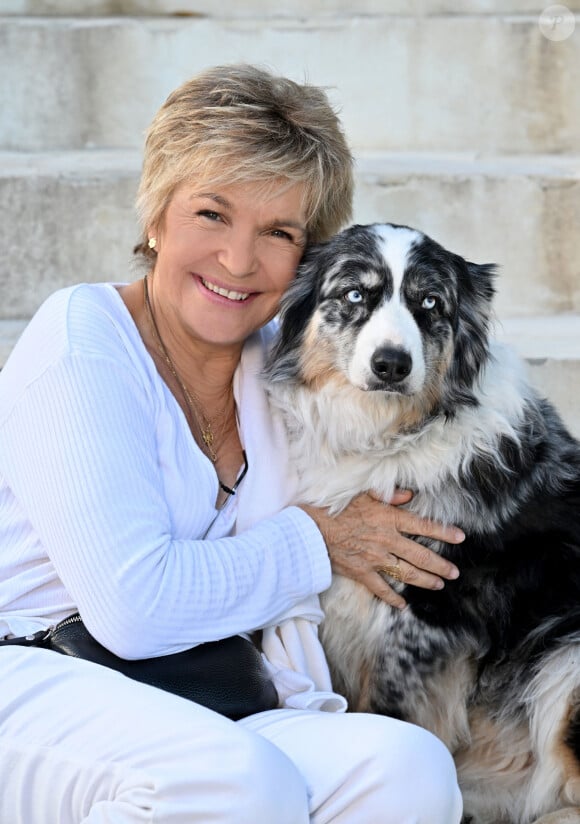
(366, 542)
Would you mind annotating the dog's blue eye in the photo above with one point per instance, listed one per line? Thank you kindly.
(430, 302)
(354, 296)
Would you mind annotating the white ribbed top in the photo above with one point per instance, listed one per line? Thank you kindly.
(104, 494)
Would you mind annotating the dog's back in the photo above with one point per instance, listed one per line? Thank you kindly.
(384, 377)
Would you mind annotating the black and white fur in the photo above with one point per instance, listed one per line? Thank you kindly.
(385, 376)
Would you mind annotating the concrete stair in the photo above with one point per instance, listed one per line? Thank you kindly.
(464, 117)
(452, 83)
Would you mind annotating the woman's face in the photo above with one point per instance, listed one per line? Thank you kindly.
(225, 255)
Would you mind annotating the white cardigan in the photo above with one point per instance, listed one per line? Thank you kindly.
(104, 497)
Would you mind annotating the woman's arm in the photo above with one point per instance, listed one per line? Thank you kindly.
(80, 452)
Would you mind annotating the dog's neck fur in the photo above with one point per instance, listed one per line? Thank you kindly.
(331, 427)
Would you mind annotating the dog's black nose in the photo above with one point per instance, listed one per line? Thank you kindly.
(391, 365)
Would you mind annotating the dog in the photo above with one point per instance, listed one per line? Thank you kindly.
(385, 375)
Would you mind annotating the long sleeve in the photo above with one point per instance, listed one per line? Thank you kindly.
(97, 455)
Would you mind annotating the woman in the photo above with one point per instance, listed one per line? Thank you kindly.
(144, 485)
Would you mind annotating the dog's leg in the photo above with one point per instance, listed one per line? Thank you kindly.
(568, 816)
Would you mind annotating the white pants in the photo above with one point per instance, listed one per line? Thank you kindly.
(80, 743)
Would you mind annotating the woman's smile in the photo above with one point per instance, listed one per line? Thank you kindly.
(224, 292)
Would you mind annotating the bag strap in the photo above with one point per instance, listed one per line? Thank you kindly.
(38, 639)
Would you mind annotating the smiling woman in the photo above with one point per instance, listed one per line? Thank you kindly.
(146, 501)
(223, 260)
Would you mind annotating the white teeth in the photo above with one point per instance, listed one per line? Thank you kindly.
(225, 292)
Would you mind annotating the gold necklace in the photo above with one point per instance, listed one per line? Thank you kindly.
(204, 424)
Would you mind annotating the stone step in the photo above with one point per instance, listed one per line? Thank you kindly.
(448, 82)
(69, 216)
(551, 348)
(522, 213)
(265, 8)
(550, 345)
(10, 331)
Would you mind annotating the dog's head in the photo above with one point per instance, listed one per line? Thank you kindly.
(386, 308)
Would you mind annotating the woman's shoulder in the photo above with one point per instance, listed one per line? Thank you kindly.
(78, 313)
(83, 320)
(97, 321)
(87, 317)
(79, 294)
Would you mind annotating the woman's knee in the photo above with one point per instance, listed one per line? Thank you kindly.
(268, 784)
(422, 770)
(242, 777)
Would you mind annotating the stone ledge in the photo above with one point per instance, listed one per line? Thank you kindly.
(81, 82)
(553, 337)
(80, 164)
(466, 164)
(250, 8)
(551, 348)
(70, 216)
(520, 212)
(10, 331)
(71, 219)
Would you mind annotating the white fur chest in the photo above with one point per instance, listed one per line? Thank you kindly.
(343, 442)
(340, 447)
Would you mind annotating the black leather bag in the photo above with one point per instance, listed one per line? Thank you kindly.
(227, 676)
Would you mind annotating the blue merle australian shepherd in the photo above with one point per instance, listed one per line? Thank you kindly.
(385, 376)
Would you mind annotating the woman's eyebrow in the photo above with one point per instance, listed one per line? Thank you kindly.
(288, 222)
(219, 199)
(222, 201)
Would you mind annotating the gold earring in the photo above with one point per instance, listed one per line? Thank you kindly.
(152, 242)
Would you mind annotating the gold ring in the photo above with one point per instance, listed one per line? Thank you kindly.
(393, 570)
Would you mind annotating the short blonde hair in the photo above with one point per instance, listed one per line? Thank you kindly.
(240, 123)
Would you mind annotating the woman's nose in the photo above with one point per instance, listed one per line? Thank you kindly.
(238, 254)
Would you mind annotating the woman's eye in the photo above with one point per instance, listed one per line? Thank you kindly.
(429, 302)
(281, 233)
(209, 214)
(354, 296)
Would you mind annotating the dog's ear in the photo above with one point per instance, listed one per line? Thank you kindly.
(475, 287)
(297, 306)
